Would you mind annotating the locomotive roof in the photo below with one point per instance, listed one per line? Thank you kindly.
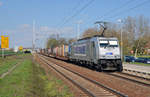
(88, 38)
(97, 37)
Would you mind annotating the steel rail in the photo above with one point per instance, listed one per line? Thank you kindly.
(78, 85)
(140, 77)
(145, 73)
(132, 80)
(95, 82)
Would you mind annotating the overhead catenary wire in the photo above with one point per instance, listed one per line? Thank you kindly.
(114, 9)
(124, 11)
(72, 9)
(77, 12)
(117, 8)
(130, 9)
(107, 13)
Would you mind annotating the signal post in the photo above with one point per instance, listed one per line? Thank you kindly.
(4, 44)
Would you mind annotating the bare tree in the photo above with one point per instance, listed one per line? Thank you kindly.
(136, 33)
(71, 40)
(90, 32)
(142, 26)
(52, 42)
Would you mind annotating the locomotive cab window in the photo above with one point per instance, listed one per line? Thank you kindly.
(113, 43)
(103, 43)
(108, 43)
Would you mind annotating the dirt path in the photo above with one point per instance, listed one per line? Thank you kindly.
(9, 71)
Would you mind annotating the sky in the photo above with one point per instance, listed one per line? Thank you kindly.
(61, 17)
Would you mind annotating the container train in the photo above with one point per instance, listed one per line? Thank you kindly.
(101, 53)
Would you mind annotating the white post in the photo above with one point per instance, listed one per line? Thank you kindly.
(2, 52)
(121, 46)
(33, 36)
(120, 21)
(78, 28)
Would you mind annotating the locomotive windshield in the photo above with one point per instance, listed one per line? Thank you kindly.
(108, 43)
(104, 43)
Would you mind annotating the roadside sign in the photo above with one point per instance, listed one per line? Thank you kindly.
(4, 41)
(132, 51)
(20, 48)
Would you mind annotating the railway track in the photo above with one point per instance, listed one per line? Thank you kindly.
(132, 78)
(88, 86)
(143, 75)
(134, 75)
(124, 86)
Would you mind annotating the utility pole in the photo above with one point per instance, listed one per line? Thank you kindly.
(2, 48)
(135, 55)
(121, 45)
(33, 36)
(4, 43)
(120, 21)
(78, 28)
(3, 52)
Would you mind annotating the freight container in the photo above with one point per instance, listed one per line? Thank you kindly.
(61, 51)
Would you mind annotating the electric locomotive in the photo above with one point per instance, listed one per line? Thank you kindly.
(99, 52)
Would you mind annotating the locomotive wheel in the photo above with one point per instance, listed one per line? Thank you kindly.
(120, 68)
(99, 68)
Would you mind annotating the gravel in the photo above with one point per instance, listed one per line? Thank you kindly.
(129, 88)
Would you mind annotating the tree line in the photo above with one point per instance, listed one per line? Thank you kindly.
(135, 32)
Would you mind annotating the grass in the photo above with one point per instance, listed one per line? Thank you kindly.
(44, 87)
(144, 56)
(7, 63)
(30, 80)
(15, 84)
(137, 63)
(9, 52)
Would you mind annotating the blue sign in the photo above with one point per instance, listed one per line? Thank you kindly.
(80, 50)
(110, 53)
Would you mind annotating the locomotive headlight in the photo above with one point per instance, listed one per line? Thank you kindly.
(117, 56)
(103, 56)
